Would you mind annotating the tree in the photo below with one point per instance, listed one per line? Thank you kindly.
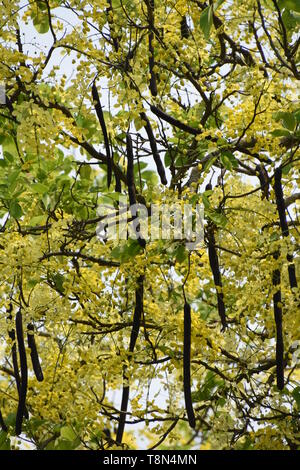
(145, 343)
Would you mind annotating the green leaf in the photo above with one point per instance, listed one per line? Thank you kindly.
(47, 201)
(65, 444)
(296, 16)
(89, 126)
(211, 383)
(38, 220)
(230, 158)
(133, 248)
(167, 158)
(67, 433)
(288, 120)
(125, 252)
(218, 218)
(150, 176)
(116, 252)
(32, 283)
(85, 172)
(296, 396)
(181, 254)
(205, 201)
(35, 423)
(289, 5)
(9, 146)
(217, 4)
(286, 168)
(138, 123)
(15, 209)
(289, 20)
(139, 167)
(58, 281)
(8, 156)
(40, 18)
(39, 188)
(11, 419)
(4, 441)
(297, 115)
(209, 164)
(206, 20)
(13, 176)
(280, 133)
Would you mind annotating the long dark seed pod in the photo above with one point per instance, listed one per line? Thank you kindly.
(184, 29)
(215, 268)
(174, 122)
(118, 186)
(153, 80)
(24, 373)
(280, 202)
(276, 278)
(115, 40)
(101, 119)
(122, 419)
(12, 336)
(264, 180)
(2, 423)
(158, 162)
(283, 223)
(187, 365)
(34, 353)
(130, 173)
(138, 311)
(131, 184)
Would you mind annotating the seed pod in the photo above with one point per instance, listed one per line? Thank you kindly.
(264, 180)
(118, 186)
(174, 122)
(283, 223)
(280, 202)
(2, 423)
(138, 311)
(184, 29)
(130, 173)
(34, 354)
(215, 268)
(12, 336)
(158, 162)
(122, 419)
(101, 120)
(131, 185)
(153, 80)
(187, 365)
(24, 373)
(139, 295)
(276, 279)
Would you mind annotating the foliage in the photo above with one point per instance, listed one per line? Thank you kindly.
(210, 89)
